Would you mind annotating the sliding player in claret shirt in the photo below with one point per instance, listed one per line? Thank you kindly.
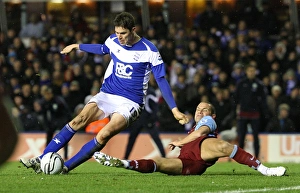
(199, 150)
(121, 97)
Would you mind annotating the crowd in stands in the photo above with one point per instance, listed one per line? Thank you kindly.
(203, 63)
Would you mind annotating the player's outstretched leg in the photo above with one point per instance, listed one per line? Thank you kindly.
(142, 165)
(243, 157)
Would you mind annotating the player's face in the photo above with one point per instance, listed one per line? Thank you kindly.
(124, 35)
(203, 109)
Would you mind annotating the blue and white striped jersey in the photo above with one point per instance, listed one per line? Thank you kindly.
(128, 72)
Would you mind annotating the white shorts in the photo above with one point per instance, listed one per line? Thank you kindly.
(110, 104)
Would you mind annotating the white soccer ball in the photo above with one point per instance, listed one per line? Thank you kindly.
(52, 163)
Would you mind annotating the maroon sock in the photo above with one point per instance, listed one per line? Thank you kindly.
(143, 165)
(243, 157)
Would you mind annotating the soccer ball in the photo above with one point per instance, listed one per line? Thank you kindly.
(52, 163)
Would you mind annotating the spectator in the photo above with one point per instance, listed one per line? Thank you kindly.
(289, 81)
(56, 82)
(151, 35)
(275, 79)
(281, 123)
(24, 114)
(192, 47)
(69, 38)
(168, 52)
(38, 111)
(226, 37)
(18, 70)
(75, 95)
(293, 100)
(14, 85)
(274, 100)
(27, 96)
(34, 28)
(290, 62)
(30, 77)
(238, 72)
(6, 39)
(175, 69)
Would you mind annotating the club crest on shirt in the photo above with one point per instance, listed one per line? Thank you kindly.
(136, 56)
(203, 120)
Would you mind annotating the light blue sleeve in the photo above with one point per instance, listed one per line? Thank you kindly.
(208, 121)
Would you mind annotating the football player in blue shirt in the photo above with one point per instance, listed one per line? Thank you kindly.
(199, 150)
(121, 96)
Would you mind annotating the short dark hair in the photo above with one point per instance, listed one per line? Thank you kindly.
(125, 20)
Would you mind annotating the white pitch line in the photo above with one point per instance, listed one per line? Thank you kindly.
(260, 190)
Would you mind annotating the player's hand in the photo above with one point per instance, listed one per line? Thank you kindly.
(174, 144)
(182, 118)
(69, 48)
(171, 146)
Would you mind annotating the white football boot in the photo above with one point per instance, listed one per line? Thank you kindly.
(276, 171)
(33, 163)
(107, 160)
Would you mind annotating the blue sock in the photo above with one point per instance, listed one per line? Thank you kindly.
(60, 140)
(84, 154)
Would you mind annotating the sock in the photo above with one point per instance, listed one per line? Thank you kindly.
(125, 163)
(85, 153)
(262, 169)
(60, 140)
(243, 157)
(143, 166)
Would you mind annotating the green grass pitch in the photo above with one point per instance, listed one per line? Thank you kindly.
(227, 177)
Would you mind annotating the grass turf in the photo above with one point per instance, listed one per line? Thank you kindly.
(91, 177)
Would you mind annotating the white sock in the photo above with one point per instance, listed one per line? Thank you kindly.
(262, 169)
(125, 163)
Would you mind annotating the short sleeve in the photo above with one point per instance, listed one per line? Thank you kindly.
(207, 121)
